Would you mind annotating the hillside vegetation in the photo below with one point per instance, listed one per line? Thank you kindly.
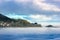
(8, 22)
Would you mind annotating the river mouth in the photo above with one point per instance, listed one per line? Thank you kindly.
(30, 33)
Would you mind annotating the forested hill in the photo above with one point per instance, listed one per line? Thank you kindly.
(4, 18)
(8, 22)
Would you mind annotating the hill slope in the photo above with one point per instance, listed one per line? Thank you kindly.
(4, 18)
(6, 21)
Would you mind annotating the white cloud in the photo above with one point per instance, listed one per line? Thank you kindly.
(45, 6)
(26, 0)
(44, 19)
(40, 4)
(40, 17)
(22, 1)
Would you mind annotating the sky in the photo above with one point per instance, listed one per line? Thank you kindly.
(41, 11)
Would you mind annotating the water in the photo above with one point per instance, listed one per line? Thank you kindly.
(30, 33)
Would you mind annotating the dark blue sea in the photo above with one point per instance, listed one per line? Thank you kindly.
(29, 33)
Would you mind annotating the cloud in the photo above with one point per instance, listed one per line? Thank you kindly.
(28, 7)
(21, 1)
(46, 6)
(42, 8)
(40, 5)
(44, 19)
(37, 4)
(40, 17)
(27, 1)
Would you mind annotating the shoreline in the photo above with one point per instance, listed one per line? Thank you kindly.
(20, 27)
(29, 27)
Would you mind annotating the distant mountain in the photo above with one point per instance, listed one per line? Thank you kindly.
(4, 18)
(8, 22)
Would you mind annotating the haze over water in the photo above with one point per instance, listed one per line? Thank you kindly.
(30, 33)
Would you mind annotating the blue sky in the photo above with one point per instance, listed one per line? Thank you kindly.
(40, 11)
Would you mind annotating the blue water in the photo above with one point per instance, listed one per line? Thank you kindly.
(6, 34)
(30, 37)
